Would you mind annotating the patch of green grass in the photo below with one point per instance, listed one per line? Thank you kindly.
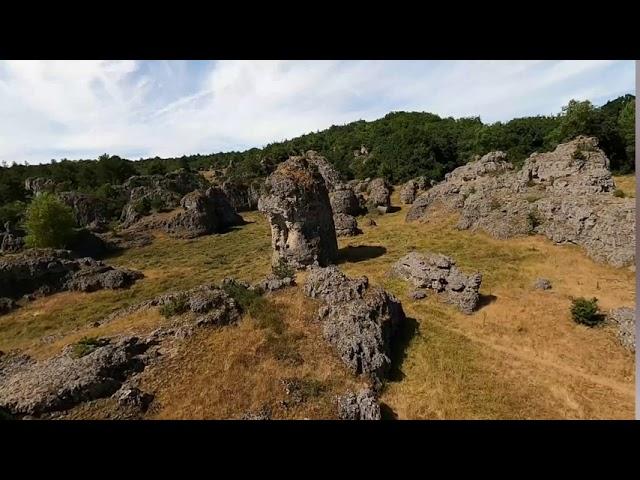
(86, 345)
(619, 193)
(284, 348)
(177, 306)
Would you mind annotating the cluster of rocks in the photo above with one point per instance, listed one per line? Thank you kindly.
(624, 319)
(363, 405)
(298, 208)
(39, 272)
(11, 239)
(358, 320)
(30, 387)
(565, 195)
(243, 196)
(439, 273)
(412, 188)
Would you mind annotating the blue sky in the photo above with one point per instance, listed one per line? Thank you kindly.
(81, 109)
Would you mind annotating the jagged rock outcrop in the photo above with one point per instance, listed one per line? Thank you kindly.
(147, 193)
(242, 196)
(440, 274)
(411, 188)
(565, 195)
(379, 194)
(358, 320)
(624, 319)
(11, 242)
(361, 406)
(203, 212)
(331, 176)
(297, 206)
(43, 271)
(39, 185)
(30, 387)
(86, 208)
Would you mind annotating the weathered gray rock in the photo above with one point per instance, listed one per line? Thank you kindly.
(297, 206)
(243, 196)
(133, 397)
(44, 271)
(203, 212)
(272, 283)
(358, 320)
(624, 319)
(331, 176)
(262, 414)
(346, 225)
(344, 200)
(87, 209)
(542, 284)
(379, 194)
(418, 295)
(11, 242)
(564, 195)
(39, 185)
(61, 382)
(411, 188)
(361, 406)
(440, 274)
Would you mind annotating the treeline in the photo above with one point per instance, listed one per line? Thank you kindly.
(400, 146)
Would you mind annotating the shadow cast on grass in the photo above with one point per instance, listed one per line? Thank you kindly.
(351, 254)
(485, 300)
(406, 331)
(387, 413)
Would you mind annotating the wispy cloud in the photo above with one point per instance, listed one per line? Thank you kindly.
(80, 109)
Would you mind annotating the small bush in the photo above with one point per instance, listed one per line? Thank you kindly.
(585, 312)
(619, 193)
(87, 345)
(283, 269)
(177, 306)
(48, 222)
(241, 294)
(534, 221)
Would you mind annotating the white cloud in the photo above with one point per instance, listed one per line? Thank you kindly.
(80, 109)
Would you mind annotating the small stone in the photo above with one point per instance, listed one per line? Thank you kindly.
(542, 284)
(418, 294)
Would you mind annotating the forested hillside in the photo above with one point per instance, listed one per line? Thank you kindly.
(399, 146)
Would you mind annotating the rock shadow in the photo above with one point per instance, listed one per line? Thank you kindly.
(406, 331)
(387, 413)
(485, 300)
(353, 254)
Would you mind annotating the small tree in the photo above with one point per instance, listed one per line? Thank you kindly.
(48, 222)
(586, 312)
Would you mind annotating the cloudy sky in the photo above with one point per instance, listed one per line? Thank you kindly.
(81, 109)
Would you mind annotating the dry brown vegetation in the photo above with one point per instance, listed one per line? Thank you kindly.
(519, 356)
(626, 183)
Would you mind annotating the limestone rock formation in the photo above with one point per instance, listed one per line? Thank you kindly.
(358, 320)
(30, 387)
(440, 274)
(39, 185)
(87, 209)
(564, 195)
(361, 406)
(298, 208)
(346, 225)
(203, 212)
(410, 190)
(379, 194)
(624, 319)
(44, 271)
(243, 196)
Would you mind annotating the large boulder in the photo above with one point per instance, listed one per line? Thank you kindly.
(346, 225)
(202, 213)
(243, 196)
(358, 320)
(565, 195)
(411, 188)
(331, 176)
(344, 200)
(379, 193)
(440, 274)
(297, 206)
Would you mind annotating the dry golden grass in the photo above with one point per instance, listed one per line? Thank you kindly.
(626, 183)
(226, 372)
(519, 356)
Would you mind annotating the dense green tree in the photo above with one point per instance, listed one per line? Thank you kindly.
(48, 222)
(627, 126)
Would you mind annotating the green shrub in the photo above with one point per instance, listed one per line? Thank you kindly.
(283, 269)
(241, 294)
(48, 222)
(585, 312)
(534, 221)
(156, 204)
(174, 307)
(87, 345)
(143, 206)
(619, 193)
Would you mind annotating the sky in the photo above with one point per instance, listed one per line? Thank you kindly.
(137, 109)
